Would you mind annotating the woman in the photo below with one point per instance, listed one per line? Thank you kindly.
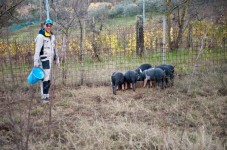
(45, 54)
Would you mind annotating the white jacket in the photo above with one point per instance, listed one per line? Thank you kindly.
(45, 47)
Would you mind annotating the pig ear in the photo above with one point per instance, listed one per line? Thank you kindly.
(140, 71)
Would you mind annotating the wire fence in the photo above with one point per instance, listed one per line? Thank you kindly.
(111, 50)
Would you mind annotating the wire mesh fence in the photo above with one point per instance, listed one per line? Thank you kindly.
(110, 50)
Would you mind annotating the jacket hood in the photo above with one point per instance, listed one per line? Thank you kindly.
(42, 31)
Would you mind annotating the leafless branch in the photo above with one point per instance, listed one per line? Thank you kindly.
(10, 8)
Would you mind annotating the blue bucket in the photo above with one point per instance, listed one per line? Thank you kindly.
(35, 75)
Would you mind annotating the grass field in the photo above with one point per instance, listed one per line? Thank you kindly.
(32, 30)
(93, 118)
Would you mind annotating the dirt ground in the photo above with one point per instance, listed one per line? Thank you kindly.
(93, 118)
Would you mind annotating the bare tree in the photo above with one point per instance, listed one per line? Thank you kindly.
(80, 10)
(71, 15)
(97, 18)
(168, 14)
(179, 12)
(7, 10)
(181, 22)
(96, 30)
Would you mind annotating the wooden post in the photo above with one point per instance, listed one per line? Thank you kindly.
(139, 35)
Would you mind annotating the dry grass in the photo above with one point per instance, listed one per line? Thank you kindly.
(93, 118)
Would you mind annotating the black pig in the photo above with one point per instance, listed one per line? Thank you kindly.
(169, 74)
(169, 70)
(153, 74)
(143, 67)
(117, 79)
(131, 77)
(171, 67)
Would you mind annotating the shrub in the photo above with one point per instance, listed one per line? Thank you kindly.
(100, 11)
(116, 11)
(151, 5)
(130, 10)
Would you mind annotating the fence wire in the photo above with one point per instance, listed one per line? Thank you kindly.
(113, 49)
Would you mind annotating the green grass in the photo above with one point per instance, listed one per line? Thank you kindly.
(29, 32)
(25, 34)
(122, 21)
(132, 60)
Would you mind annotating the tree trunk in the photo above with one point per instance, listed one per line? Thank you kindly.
(181, 22)
(95, 45)
(169, 24)
(64, 57)
(189, 37)
(82, 27)
(10, 60)
(95, 49)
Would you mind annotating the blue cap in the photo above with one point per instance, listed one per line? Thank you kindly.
(48, 21)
